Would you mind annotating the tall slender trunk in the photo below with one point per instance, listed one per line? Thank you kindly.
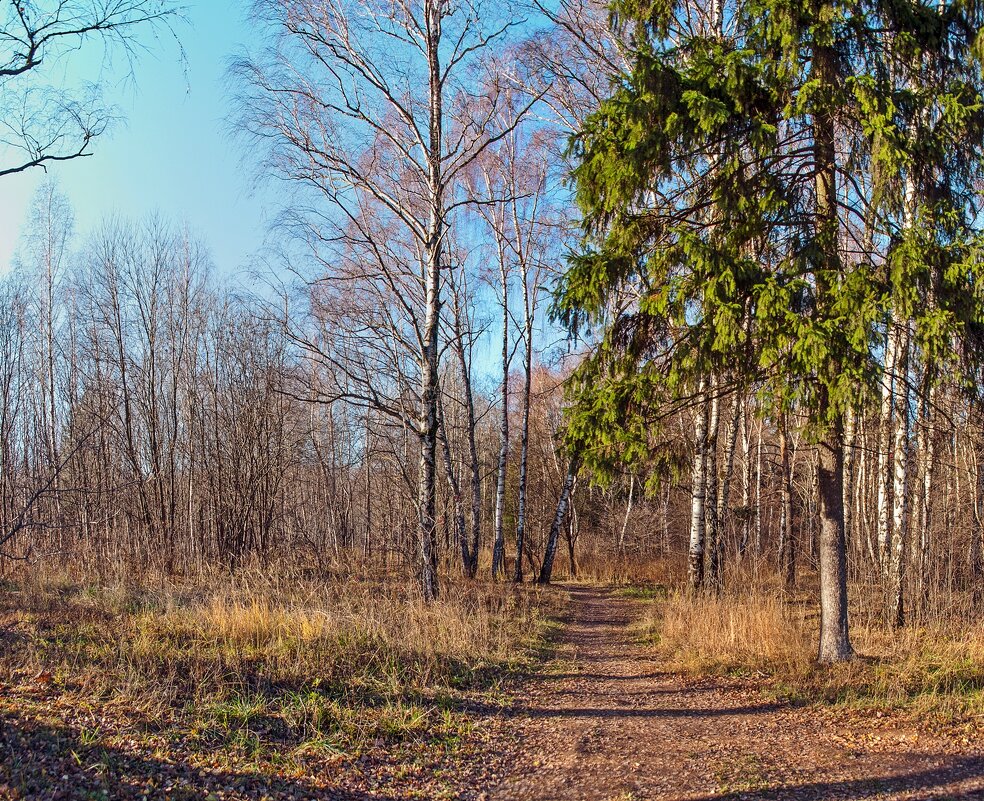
(711, 534)
(787, 543)
(427, 424)
(628, 514)
(470, 548)
(560, 516)
(926, 448)
(476, 493)
(746, 479)
(454, 485)
(367, 552)
(724, 488)
(49, 347)
(698, 491)
(977, 561)
(499, 545)
(900, 488)
(524, 433)
(886, 420)
(850, 434)
(758, 493)
(861, 499)
(573, 530)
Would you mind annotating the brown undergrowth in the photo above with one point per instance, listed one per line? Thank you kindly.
(932, 670)
(260, 670)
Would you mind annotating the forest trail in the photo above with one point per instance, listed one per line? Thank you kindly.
(607, 725)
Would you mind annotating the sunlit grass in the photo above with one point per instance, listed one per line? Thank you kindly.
(330, 666)
(931, 670)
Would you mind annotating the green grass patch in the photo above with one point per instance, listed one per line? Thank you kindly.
(643, 592)
(741, 773)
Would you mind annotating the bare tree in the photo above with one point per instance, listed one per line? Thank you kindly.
(369, 105)
(465, 332)
(41, 124)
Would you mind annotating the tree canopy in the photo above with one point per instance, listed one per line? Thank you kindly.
(697, 179)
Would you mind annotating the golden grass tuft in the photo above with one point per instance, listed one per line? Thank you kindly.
(935, 670)
(334, 661)
(720, 634)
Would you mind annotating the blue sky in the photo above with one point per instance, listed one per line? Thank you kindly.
(173, 153)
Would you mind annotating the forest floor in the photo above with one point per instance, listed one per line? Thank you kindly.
(604, 723)
(600, 719)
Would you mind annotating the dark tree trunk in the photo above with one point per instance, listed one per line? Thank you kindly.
(835, 643)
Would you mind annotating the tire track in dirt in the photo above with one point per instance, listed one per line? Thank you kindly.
(605, 724)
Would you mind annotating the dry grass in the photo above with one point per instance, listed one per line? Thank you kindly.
(934, 670)
(599, 563)
(316, 664)
(753, 632)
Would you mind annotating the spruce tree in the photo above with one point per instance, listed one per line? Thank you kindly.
(745, 202)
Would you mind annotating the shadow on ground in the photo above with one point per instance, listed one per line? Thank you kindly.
(925, 784)
(41, 762)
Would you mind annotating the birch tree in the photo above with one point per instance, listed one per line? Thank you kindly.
(512, 188)
(370, 106)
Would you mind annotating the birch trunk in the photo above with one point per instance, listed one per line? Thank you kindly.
(524, 434)
(712, 545)
(476, 490)
(926, 448)
(469, 549)
(698, 491)
(724, 488)
(850, 435)
(499, 546)
(573, 530)
(758, 493)
(367, 546)
(427, 490)
(454, 485)
(886, 420)
(625, 519)
(746, 481)
(787, 547)
(900, 494)
(560, 516)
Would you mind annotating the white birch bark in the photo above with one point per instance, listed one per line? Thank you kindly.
(628, 514)
(886, 418)
(900, 488)
(695, 572)
(758, 493)
(850, 437)
(560, 517)
(724, 488)
(499, 545)
(787, 545)
(746, 479)
(711, 533)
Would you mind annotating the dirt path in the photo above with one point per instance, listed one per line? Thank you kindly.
(607, 725)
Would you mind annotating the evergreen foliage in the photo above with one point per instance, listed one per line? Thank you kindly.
(704, 249)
